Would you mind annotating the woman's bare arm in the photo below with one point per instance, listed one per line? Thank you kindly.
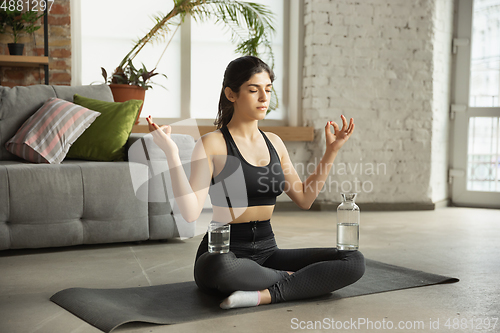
(189, 194)
(304, 193)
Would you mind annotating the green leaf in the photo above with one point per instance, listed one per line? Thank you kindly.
(104, 74)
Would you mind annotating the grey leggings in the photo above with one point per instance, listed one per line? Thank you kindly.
(254, 262)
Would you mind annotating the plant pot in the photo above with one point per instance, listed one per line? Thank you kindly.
(16, 48)
(125, 92)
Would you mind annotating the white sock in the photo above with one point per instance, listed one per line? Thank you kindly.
(241, 299)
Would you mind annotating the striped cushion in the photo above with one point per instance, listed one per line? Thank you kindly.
(49, 133)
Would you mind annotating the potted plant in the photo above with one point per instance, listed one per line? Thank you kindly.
(250, 25)
(19, 23)
(130, 83)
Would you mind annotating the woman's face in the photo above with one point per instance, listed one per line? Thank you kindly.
(253, 99)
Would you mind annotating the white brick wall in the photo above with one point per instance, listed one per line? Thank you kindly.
(386, 64)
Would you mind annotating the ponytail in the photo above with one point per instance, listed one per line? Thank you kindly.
(226, 110)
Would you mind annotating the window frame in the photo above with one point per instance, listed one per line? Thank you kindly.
(461, 113)
(293, 43)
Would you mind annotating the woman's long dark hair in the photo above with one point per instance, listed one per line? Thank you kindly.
(238, 71)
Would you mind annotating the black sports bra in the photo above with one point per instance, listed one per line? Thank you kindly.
(241, 184)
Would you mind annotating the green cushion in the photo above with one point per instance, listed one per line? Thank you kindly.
(105, 139)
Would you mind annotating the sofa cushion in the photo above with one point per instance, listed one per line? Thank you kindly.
(49, 133)
(19, 103)
(16, 106)
(101, 92)
(106, 138)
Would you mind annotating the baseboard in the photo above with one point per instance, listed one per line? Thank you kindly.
(443, 203)
(366, 207)
(289, 206)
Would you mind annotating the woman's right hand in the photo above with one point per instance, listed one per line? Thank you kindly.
(161, 136)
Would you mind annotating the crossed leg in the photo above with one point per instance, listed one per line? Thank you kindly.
(226, 273)
(317, 271)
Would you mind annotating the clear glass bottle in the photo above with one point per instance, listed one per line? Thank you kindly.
(348, 223)
(218, 237)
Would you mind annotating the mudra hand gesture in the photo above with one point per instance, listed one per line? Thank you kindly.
(334, 141)
(161, 136)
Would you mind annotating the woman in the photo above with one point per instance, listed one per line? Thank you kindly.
(255, 271)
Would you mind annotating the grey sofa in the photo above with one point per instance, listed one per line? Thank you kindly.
(76, 202)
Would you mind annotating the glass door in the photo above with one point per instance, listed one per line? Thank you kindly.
(475, 170)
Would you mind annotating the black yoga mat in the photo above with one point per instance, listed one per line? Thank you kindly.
(174, 303)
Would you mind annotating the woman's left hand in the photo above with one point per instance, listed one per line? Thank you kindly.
(334, 141)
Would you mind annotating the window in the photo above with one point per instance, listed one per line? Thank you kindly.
(475, 159)
(211, 51)
(483, 158)
(194, 61)
(485, 54)
(483, 163)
